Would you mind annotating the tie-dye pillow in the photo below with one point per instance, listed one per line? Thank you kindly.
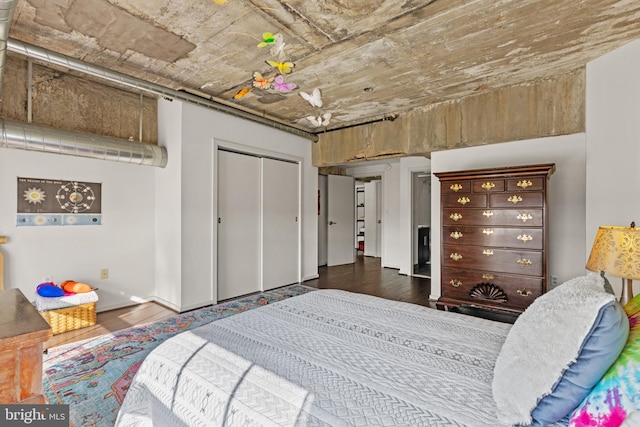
(617, 394)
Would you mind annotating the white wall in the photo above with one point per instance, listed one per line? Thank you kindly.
(421, 202)
(192, 212)
(168, 208)
(566, 195)
(613, 143)
(123, 243)
(322, 219)
(408, 165)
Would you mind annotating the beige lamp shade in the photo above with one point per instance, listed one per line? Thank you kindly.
(616, 251)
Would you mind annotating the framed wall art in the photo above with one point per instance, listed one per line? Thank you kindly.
(50, 202)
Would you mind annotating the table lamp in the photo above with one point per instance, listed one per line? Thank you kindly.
(616, 251)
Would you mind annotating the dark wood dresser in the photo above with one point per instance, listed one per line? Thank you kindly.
(23, 333)
(494, 238)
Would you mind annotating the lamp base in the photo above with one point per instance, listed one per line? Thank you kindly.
(627, 291)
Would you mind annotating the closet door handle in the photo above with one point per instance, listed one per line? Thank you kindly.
(331, 222)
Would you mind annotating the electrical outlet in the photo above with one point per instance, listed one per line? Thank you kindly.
(104, 273)
(554, 281)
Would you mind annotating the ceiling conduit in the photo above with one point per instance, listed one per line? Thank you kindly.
(50, 57)
(6, 12)
(33, 137)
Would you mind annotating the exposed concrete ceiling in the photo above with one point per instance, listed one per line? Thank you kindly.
(371, 59)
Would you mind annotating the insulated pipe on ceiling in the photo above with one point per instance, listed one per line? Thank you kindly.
(31, 137)
(6, 13)
(61, 60)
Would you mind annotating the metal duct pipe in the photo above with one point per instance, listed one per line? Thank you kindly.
(6, 13)
(33, 137)
(61, 60)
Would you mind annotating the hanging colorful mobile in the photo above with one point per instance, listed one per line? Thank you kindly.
(267, 39)
(260, 81)
(277, 49)
(283, 67)
(281, 86)
(321, 120)
(315, 98)
(242, 92)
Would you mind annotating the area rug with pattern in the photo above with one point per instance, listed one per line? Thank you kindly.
(93, 376)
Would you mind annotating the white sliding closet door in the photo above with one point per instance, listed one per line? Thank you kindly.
(239, 197)
(280, 211)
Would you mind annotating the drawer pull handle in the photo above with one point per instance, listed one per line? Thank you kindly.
(488, 185)
(455, 216)
(456, 235)
(487, 252)
(524, 184)
(464, 200)
(524, 217)
(524, 292)
(525, 238)
(456, 187)
(515, 199)
(487, 213)
(487, 231)
(488, 276)
(455, 283)
(455, 256)
(524, 262)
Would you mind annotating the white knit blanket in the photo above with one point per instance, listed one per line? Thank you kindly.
(324, 358)
(55, 303)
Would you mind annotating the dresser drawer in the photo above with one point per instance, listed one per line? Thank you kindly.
(487, 185)
(511, 261)
(526, 184)
(518, 238)
(489, 217)
(515, 199)
(520, 291)
(467, 200)
(456, 187)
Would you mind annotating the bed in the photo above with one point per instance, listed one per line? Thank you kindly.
(327, 358)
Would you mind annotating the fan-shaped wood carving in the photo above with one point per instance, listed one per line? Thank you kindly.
(488, 291)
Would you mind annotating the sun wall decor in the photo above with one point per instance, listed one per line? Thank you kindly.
(56, 202)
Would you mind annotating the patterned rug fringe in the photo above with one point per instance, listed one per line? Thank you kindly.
(93, 375)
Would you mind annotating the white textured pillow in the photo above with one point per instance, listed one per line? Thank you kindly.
(632, 420)
(557, 350)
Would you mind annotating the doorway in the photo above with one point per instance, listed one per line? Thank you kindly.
(421, 223)
(356, 200)
(368, 218)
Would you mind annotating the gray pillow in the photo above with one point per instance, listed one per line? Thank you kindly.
(557, 350)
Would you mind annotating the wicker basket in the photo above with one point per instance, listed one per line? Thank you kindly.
(71, 318)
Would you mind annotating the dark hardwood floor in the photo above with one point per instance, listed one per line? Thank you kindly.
(367, 277)
(364, 276)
